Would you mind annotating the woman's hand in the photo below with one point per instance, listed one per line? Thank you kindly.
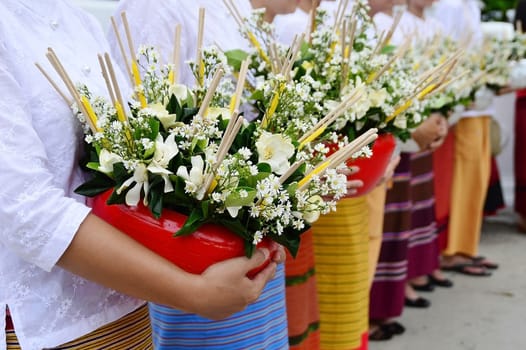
(431, 133)
(352, 185)
(224, 288)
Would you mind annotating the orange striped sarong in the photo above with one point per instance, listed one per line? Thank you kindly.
(303, 314)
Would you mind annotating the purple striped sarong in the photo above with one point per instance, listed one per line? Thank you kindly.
(387, 292)
(409, 241)
(262, 325)
(423, 250)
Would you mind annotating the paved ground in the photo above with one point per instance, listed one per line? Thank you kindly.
(478, 313)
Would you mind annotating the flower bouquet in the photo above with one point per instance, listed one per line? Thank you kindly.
(176, 161)
(337, 64)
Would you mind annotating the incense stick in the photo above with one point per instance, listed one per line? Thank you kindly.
(210, 92)
(55, 86)
(121, 48)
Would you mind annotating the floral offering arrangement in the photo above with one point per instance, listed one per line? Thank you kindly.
(339, 62)
(460, 80)
(188, 150)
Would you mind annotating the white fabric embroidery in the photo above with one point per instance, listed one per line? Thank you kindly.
(39, 149)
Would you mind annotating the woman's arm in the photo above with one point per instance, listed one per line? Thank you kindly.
(104, 255)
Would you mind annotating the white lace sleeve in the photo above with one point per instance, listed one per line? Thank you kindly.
(38, 220)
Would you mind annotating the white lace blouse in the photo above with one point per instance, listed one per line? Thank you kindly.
(39, 149)
(155, 25)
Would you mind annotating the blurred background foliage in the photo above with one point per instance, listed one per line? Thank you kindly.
(498, 10)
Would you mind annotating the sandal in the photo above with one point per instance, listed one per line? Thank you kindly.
(482, 261)
(469, 269)
(446, 283)
(380, 334)
(427, 287)
(395, 328)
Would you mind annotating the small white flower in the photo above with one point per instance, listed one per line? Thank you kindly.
(245, 153)
(258, 236)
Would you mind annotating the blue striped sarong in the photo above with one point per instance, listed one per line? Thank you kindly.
(262, 325)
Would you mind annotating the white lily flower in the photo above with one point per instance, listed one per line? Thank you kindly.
(106, 161)
(181, 92)
(195, 179)
(275, 149)
(140, 177)
(164, 152)
(167, 119)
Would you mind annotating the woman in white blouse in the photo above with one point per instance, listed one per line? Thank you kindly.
(59, 261)
(263, 325)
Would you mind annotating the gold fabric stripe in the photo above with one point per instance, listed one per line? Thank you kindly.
(341, 242)
(129, 332)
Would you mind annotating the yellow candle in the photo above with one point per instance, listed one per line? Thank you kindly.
(312, 137)
(138, 82)
(399, 110)
(89, 110)
(316, 171)
(258, 47)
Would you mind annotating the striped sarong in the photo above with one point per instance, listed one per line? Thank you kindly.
(388, 289)
(341, 241)
(262, 325)
(409, 242)
(303, 314)
(443, 160)
(423, 253)
(129, 332)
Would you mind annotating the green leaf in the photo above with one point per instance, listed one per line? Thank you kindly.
(155, 195)
(120, 174)
(387, 49)
(174, 107)
(235, 199)
(249, 249)
(264, 168)
(98, 184)
(117, 198)
(258, 95)
(154, 127)
(93, 166)
(235, 58)
(195, 219)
